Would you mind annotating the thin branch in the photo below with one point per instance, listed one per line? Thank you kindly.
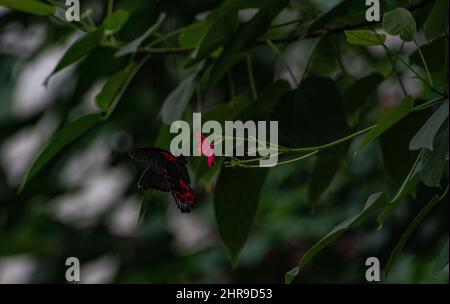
(424, 63)
(287, 23)
(291, 38)
(394, 69)
(399, 58)
(198, 96)
(313, 150)
(251, 77)
(280, 55)
(231, 85)
(429, 104)
(339, 29)
(339, 56)
(166, 50)
(110, 7)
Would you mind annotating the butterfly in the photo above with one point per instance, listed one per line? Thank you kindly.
(165, 172)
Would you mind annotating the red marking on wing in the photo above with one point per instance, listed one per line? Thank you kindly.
(169, 157)
(173, 160)
(185, 193)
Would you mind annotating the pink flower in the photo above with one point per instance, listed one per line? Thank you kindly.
(207, 149)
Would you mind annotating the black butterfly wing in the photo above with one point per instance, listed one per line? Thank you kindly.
(151, 179)
(145, 155)
(183, 194)
(152, 157)
(166, 172)
(183, 172)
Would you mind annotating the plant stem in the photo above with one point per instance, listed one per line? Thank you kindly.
(110, 7)
(310, 54)
(135, 68)
(339, 56)
(429, 104)
(399, 76)
(393, 63)
(288, 39)
(299, 158)
(70, 24)
(198, 95)
(334, 143)
(424, 62)
(287, 23)
(280, 55)
(109, 11)
(284, 162)
(231, 85)
(316, 149)
(251, 78)
(412, 70)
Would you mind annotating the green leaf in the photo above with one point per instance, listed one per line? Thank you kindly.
(146, 201)
(236, 202)
(115, 87)
(68, 134)
(245, 37)
(263, 108)
(403, 109)
(221, 27)
(345, 81)
(323, 57)
(365, 37)
(133, 46)
(193, 34)
(400, 22)
(177, 100)
(437, 22)
(324, 171)
(394, 143)
(434, 54)
(291, 275)
(77, 50)
(227, 111)
(424, 139)
(408, 186)
(336, 12)
(441, 261)
(30, 6)
(311, 115)
(374, 202)
(434, 162)
(204, 174)
(411, 227)
(358, 95)
(115, 22)
(112, 86)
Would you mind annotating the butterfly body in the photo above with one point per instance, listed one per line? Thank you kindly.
(165, 172)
